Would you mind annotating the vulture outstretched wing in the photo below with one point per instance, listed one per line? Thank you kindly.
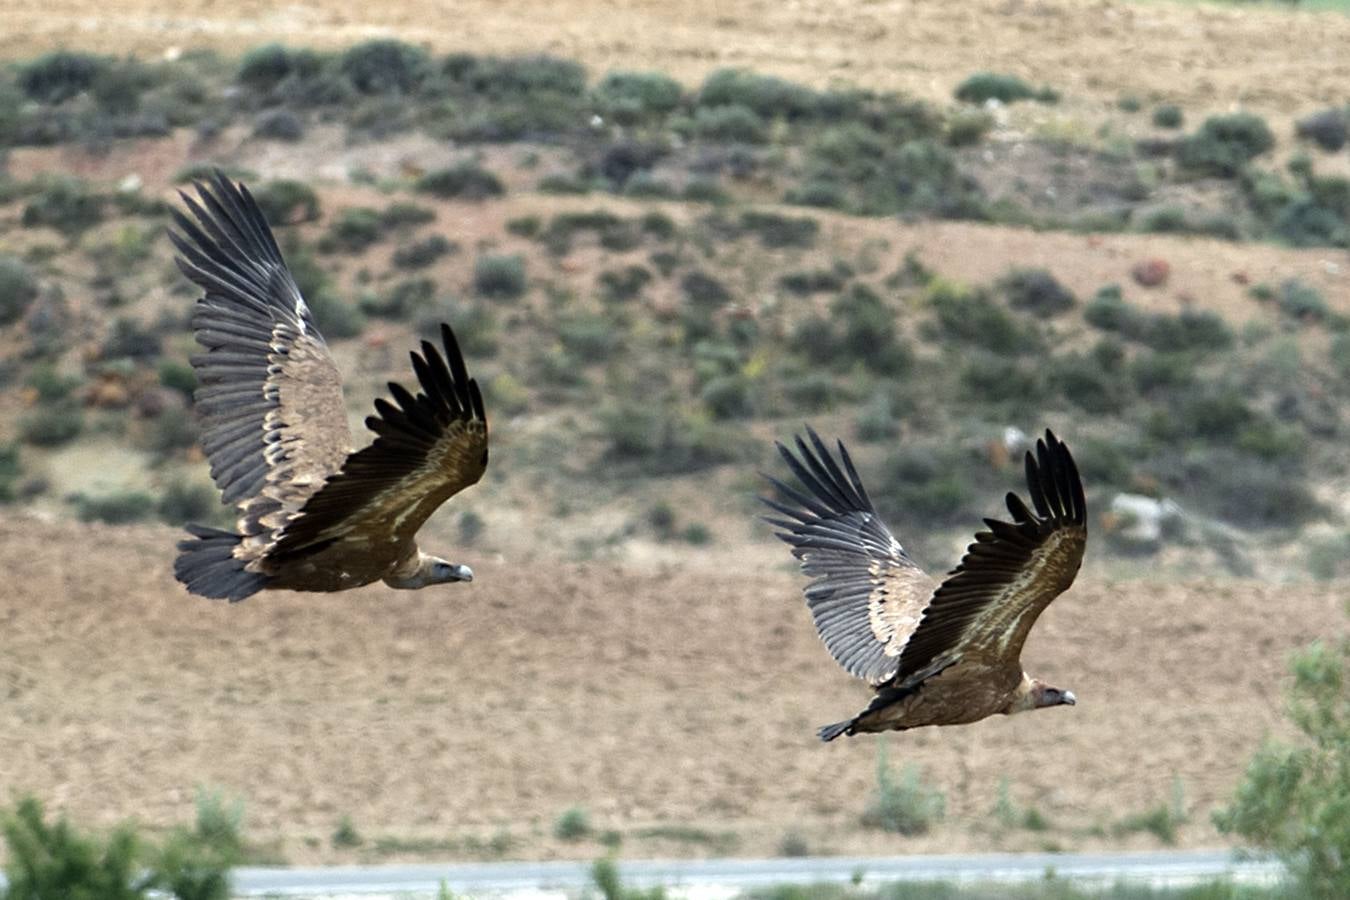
(269, 397)
(868, 595)
(427, 448)
(987, 605)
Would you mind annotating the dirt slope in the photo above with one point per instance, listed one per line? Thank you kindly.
(669, 695)
(1199, 55)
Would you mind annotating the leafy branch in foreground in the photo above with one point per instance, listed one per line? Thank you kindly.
(1295, 800)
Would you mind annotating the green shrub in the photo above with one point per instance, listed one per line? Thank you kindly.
(658, 225)
(402, 301)
(704, 190)
(984, 86)
(184, 502)
(65, 204)
(763, 95)
(864, 329)
(525, 226)
(734, 123)
(819, 192)
(1293, 799)
(353, 230)
(588, 336)
(279, 125)
(1164, 220)
(466, 180)
(116, 508)
(776, 230)
(18, 289)
(335, 317)
(624, 284)
(812, 281)
(420, 254)
(1225, 144)
(53, 425)
(703, 290)
(385, 66)
(605, 875)
(973, 317)
(1302, 301)
(728, 397)
(48, 860)
(1190, 329)
(1036, 291)
(664, 440)
(287, 202)
(57, 77)
(1087, 384)
(903, 805)
(11, 469)
(345, 835)
(263, 68)
(573, 825)
(499, 277)
(513, 77)
(631, 97)
(406, 215)
(1326, 128)
(195, 863)
(1168, 115)
(966, 127)
(475, 328)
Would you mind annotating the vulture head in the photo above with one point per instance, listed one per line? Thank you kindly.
(430, 570)
(1036, 694)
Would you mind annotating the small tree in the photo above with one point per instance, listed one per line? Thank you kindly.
(1295, 800)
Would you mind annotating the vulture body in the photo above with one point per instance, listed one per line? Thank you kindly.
(936, 653)
(313, 514)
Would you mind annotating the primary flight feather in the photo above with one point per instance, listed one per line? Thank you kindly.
(314, 515)
(936, 653)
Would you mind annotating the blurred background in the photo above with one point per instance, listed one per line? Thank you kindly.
(668, 234)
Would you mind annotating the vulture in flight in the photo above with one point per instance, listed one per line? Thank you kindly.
(935, 653)
(313, 514)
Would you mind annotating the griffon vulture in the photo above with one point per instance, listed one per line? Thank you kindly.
(936, 654)
(313, 514)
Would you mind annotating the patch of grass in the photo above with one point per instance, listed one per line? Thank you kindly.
(60, 76)
(1168, 115)
(903, 805)
(972, 316)
(385, 66)
(573, 825)
(632, 97)
(722, 842)
(606, 878)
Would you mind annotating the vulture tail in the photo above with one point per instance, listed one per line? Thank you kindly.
(206, 564)
(830, 732)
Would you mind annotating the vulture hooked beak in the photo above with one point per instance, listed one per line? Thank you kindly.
(1068, 699)
(457, 572)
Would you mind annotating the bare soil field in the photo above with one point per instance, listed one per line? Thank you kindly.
(676, 704)
(1198, 55)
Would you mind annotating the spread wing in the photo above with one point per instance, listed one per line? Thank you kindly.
(987, 605)
(868, 595)
(269, 397)
(427, 448)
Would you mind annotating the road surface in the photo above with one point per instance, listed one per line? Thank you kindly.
(722, 878)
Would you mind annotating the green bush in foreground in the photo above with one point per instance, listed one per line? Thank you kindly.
(1295, 800)
(49, 860)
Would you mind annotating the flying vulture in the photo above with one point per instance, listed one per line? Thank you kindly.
(935, 653)
(313, 514)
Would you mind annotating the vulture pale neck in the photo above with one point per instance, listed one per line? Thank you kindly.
(1032, 693)
(423, 570)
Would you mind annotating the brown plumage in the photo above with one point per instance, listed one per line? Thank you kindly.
(313, 514)
(936, 654)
